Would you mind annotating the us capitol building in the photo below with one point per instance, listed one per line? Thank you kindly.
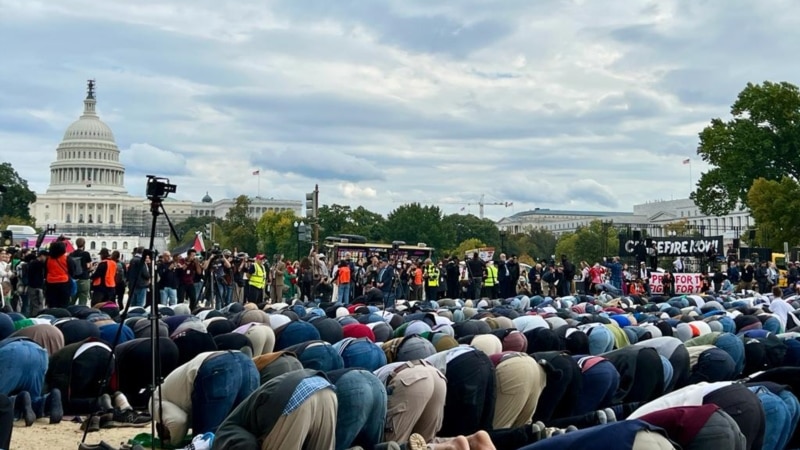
(87, 196)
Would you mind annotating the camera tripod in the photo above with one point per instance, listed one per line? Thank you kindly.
(157, 191)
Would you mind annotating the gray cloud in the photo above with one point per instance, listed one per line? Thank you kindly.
(578, 105)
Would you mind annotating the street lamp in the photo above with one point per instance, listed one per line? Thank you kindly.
(503, 241)
(300, 228)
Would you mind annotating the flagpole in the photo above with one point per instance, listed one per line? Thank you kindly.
(259, 184)
(690, 176)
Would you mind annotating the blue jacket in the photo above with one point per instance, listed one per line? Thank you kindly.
(612, 436)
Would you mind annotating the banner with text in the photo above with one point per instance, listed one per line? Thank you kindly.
(685, 283)
(486, 254)
(674, 245)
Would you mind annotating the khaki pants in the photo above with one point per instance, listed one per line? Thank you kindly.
(519, 382)
(650, 440)
(312, 425)
(416, 403)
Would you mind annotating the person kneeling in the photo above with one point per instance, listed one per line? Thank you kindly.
(293, 411)
(204, 390)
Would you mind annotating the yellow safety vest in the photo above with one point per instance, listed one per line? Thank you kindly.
(491, 276)
(257, 277)
(433, 276)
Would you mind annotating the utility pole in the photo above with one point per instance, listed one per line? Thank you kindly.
(316, 216)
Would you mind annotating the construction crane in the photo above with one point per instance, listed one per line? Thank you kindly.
(481, 204)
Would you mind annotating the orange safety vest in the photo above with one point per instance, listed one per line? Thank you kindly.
(57, 271)
(418, 277)
(110, 279)
(344, 275)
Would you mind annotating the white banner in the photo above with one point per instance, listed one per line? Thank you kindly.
(486, 254)
(685, 283)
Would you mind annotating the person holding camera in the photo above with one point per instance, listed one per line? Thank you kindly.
(220, 272)
(168, 278)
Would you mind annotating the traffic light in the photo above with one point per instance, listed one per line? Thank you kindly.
(312, 204)
(7, 238)
(307, 235)
(208, 230)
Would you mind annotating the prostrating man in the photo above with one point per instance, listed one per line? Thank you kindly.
(201, 393)
(294, 411)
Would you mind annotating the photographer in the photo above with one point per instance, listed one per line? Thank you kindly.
(188, 269)
(168, 279)
(221, 273)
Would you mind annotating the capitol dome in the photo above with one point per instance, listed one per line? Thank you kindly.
(88, 157)
(89, 127)
(207, 198)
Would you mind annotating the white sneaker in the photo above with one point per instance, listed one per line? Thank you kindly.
(201, 442)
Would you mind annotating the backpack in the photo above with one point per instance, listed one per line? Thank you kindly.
(119, 277)
(75, 266)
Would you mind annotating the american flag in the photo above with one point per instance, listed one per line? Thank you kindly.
(687, 161)
(257, 172)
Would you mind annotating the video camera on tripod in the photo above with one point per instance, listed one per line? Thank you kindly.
(158, 188)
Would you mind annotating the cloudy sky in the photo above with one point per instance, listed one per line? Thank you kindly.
(553, 104)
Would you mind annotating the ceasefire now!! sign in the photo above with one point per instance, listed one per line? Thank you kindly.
(674, 246)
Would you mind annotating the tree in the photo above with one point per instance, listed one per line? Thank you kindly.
(680, 228)
(775, 205)
(238, 228)
(187, 229)
(762, 140)
(469, 226)
(332, 219)
(364, 222)
(276, 233)
(588, 243)
(16, 200)
(414, 223)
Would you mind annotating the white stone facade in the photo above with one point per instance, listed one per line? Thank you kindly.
(87, 196)
(652, 216)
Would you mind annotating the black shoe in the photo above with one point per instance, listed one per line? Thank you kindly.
(24, 405)
(101, 446)
(56, 409)
(129, 418)
(92, 424)
(106, 420)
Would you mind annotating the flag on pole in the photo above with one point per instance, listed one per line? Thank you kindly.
(257, 172)
(463, 208)
(687, 161)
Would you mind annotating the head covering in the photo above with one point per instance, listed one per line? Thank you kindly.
(487, 343)
(357, 330)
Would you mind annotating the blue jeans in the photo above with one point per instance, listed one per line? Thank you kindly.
(734, 346)
(475, 285)
(361, 414)
(599, 385)
(362, 353)
(344, 294)
(222, 382)
(138, 297)
(778, 420)
(388, 299)
(224, 293)
(23, 365)
(321, 357)
(169, 296)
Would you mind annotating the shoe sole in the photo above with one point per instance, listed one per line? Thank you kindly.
(113, 424)
(417, 442)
